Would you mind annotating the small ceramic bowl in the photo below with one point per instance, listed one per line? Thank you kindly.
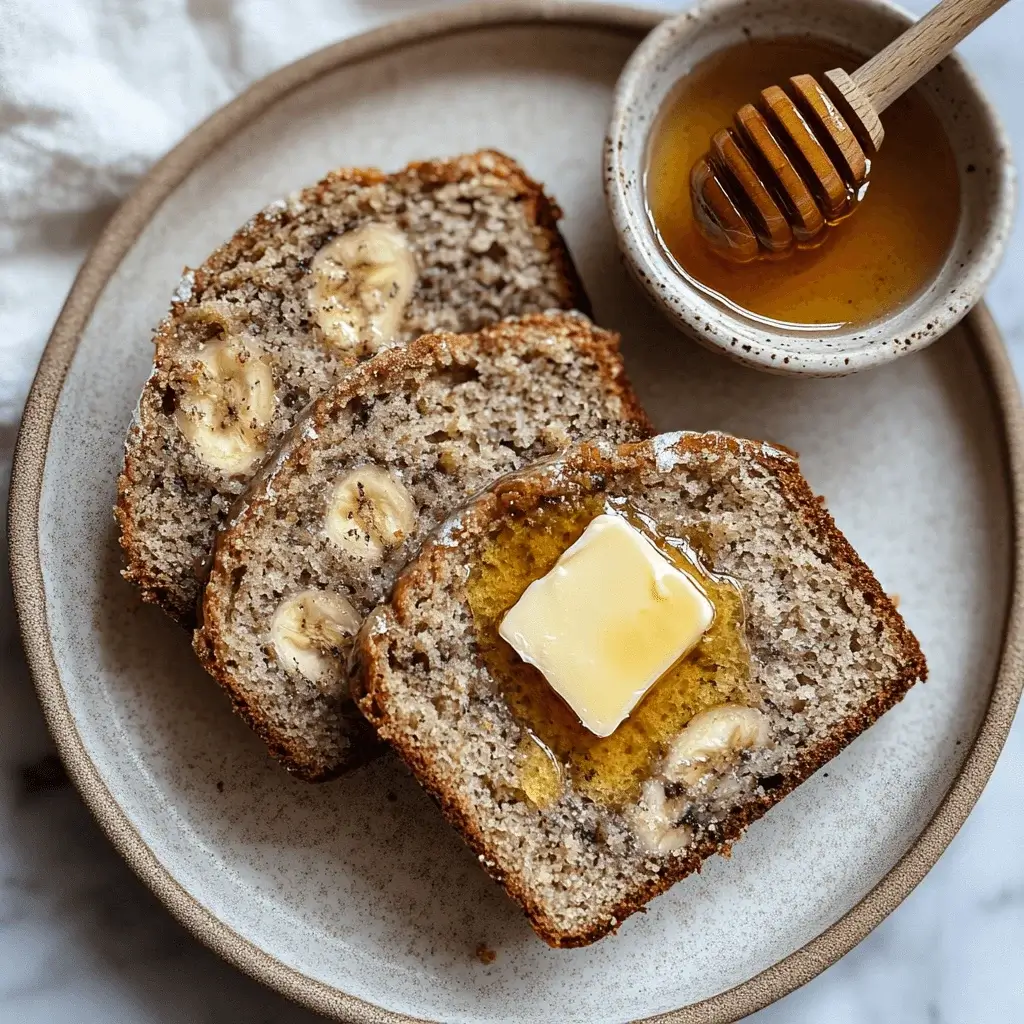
(979, 144)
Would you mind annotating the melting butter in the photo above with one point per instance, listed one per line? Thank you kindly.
(609, 619)
(557, 750)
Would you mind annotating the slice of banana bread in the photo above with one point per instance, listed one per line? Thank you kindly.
(378, 461)
(807, 651)
(358, 262)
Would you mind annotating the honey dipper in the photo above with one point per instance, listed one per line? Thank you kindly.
(798, 161)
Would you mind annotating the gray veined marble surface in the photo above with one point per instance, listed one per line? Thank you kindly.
(81, 939)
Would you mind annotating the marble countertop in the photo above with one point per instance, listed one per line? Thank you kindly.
(81, 939)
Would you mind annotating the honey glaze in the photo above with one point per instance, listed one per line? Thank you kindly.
(556, 747)
(904, 218)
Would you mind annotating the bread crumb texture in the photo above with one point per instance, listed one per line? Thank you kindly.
(829, 654)
(241, 353)
(370, 470)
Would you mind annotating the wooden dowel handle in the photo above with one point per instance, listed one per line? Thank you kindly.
(893, 71)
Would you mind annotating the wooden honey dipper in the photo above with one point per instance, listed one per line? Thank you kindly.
(798, 162)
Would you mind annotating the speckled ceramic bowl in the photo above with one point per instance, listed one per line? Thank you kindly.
(979, 143)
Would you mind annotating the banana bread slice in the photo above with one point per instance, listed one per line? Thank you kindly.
(358, 262)
(378, 461)
(581, 831)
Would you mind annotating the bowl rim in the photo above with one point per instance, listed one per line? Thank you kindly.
(797, 968)
(714, 326)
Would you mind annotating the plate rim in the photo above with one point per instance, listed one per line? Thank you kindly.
(30, 455)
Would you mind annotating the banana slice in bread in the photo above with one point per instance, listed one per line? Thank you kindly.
(357, 263)
(376, 463)
(225, 412)
(309, 632)
(583, 831)
(370, 511)
(362, 283)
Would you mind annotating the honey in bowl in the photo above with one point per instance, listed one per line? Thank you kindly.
(874, 261)
(609, 769)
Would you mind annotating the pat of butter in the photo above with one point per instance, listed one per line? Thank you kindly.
(611, 617)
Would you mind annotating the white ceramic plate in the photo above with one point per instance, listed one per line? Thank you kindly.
(355, 897)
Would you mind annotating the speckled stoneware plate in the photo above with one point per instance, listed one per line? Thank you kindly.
(355, 897)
